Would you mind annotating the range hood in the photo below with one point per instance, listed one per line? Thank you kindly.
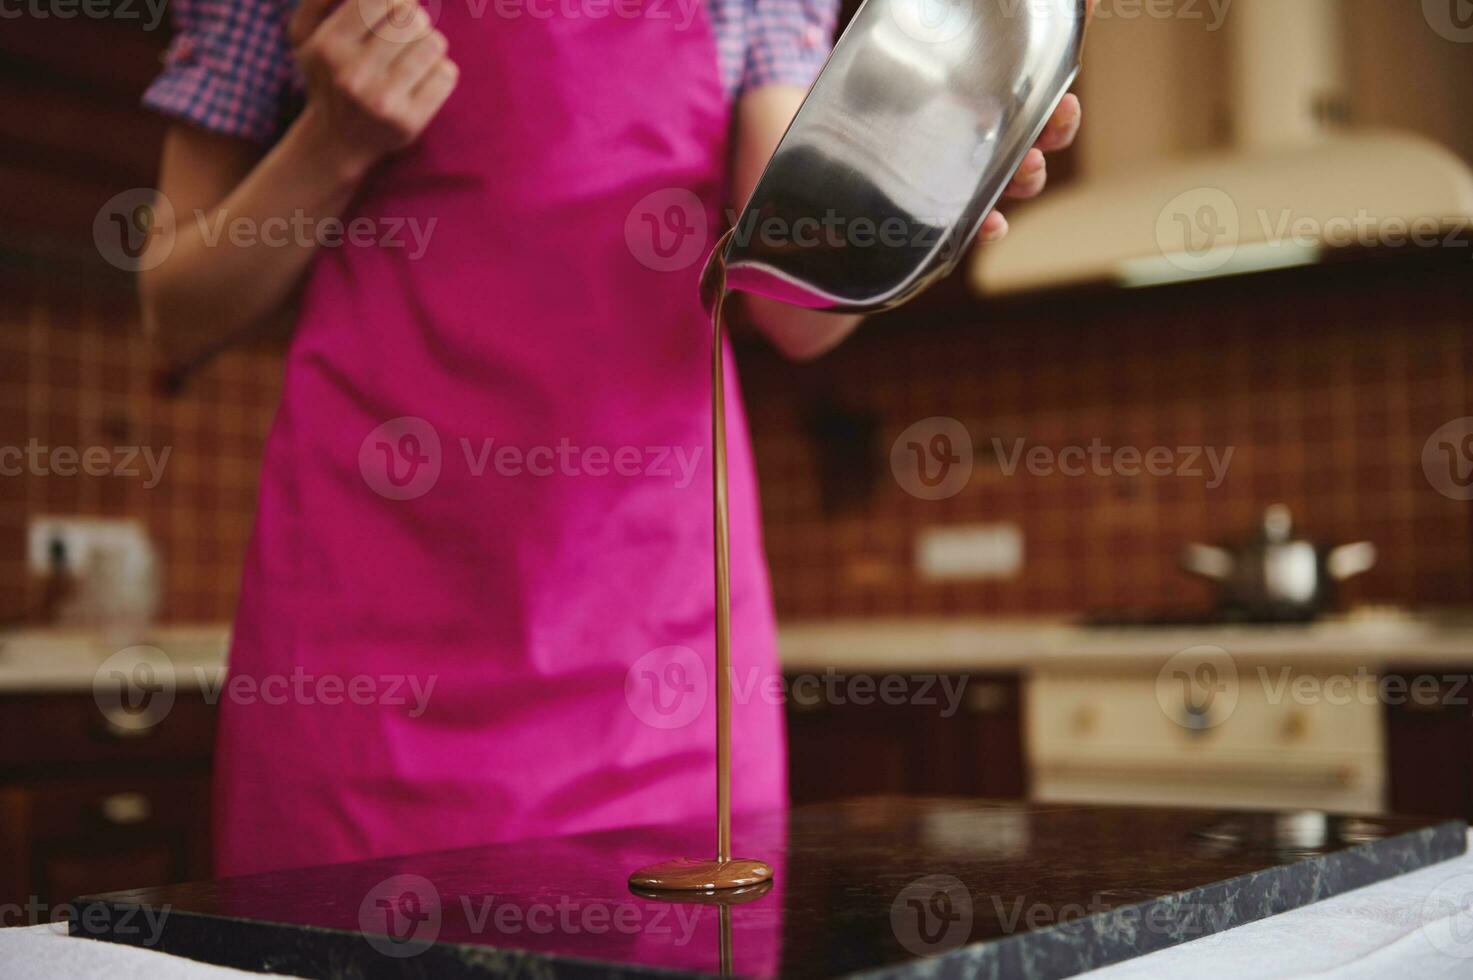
(1295, 185)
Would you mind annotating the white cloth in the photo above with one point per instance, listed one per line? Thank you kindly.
(1418, 925)
(46, 952)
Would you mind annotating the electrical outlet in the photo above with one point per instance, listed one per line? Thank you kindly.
(968, 552)
(64, 544)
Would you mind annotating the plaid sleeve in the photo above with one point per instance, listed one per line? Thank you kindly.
(229, 68)
(788, 41)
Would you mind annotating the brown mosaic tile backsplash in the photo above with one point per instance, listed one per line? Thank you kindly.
(1325, 387)
(1324, 384)
(76, 372)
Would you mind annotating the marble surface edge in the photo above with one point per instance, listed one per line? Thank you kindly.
(1127, 932)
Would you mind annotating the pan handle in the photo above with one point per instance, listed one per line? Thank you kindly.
(1207, 561)
(1349, 560)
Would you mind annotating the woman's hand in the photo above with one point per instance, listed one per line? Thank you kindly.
(377, 73)
(1032, 173)
(762, 117)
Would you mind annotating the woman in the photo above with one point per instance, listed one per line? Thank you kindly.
(485, 500)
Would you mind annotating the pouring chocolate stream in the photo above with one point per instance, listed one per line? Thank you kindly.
(696, 874)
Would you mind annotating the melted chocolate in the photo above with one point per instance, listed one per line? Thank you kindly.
(693, 874)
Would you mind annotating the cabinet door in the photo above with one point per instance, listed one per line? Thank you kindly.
(83, 835)
(41, 734)
(1429, 744)
(952, 736)
(89, 803)
(993, 711)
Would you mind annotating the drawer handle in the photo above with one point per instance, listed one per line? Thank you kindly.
(988, 699)
(1339, 777)
(118, 722)
(1196, 719)
(126, 809)
(1295, 727)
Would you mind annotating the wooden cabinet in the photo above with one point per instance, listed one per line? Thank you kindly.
(1429, 742)
(86, 807)
(925, 734)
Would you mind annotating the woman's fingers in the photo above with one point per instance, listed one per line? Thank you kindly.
(416, 60)
(394, 100)
(393, 96)
(1062, 126)
(400, 21)
(349, 23)
(432, 91)
(365, 65)
(337, 39)
(1058, 134)
(993, 228)
(1031, 177)
(405, 28)
(376, 73)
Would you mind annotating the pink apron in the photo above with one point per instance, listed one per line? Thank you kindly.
(478, 603)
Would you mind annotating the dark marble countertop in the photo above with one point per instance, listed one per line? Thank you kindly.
(885, 886)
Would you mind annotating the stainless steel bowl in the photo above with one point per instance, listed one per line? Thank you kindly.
(904, 144)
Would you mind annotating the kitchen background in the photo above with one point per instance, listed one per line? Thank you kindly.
(1326, 382)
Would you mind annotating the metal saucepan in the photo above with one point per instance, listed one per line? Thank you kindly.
(1274, 575)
